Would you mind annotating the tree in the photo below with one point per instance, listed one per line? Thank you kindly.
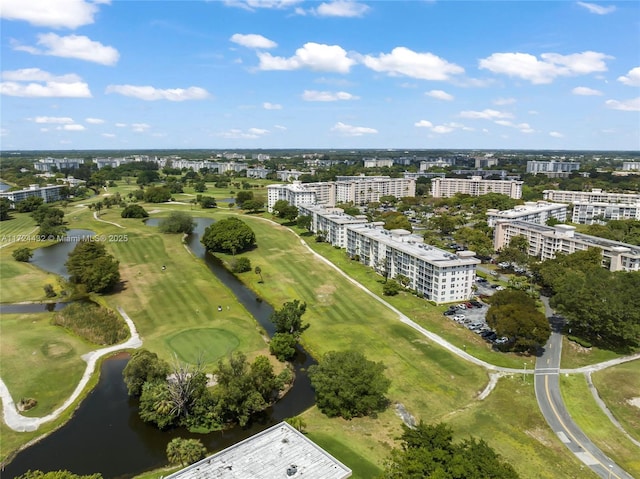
(134, 211)
(155, 404)
(144, 366)
(258, 271)
(290, 213)
(429, 451)
(514, 314)
(243, 196)
(395, 220)
(279, 208)
(390, 288)
(288, 319)
(208, 202)
(228, 235)
(44, 212)
(22, 254)
(304, 221)
(185, 451)
(91, 265)
(297, 422)
(283, 346)
(5, 209)
(29, 204)
(177, 222)
(157, 194)
(349, 385)
(253, 206)
(200, 187)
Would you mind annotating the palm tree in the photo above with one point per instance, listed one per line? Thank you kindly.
(185, 451)
(258, 271)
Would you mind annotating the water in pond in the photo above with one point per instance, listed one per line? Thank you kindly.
(52, 258)
(28, 308)
(106, 435)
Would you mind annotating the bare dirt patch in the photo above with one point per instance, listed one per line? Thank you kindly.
(539, 435)
(324, 294)
(57, 349)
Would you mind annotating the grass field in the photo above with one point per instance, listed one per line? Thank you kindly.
(596, 425)
(618, 386)
(576, 356)
(205, 345)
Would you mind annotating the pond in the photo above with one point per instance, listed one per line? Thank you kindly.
(106, 435)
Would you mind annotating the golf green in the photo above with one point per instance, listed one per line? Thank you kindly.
(206, 345)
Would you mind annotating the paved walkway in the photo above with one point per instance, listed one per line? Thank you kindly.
(18, 422)
(95, 215)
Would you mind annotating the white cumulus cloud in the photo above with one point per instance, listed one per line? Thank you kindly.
(597, 9)
(253, 5)
(625, 105)
(504, 101)
(632, 78)
(60, 120)
(547, 68)
(314, 95)
(271, 106)
(238, 134)
(46, 13)
(440, 95)
(36, 83)
(487, 114)
(423, 124)
(556, 134)
(252, 40)
(150, 93)
(74, 127)
(350, 130)
(341, 8)
(585, 91)
(523, 127)
(314, 56)
(94, 121)
(139, 127)
(441, 129)
(72, 46)
(406, 62)
(108, 135)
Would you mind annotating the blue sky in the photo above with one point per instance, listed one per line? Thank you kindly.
(122, 74)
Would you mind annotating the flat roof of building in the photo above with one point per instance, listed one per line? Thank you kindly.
(278, 452)
(414, 245)
(528, 207)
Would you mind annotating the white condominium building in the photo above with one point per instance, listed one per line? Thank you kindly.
(474, 186)
(48, 164)
(631, 166)
(436, 274)
(378, 162)
(533, 211)
(331, 222)
(596, 195)
(546, 241)
(48, 193)
(360, 191)
(585, 213)
(553, 166)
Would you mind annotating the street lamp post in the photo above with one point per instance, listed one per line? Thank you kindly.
(610, 468)
(524, 376)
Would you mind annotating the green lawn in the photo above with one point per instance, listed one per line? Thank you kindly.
(576, 356)
(204, 345)
(596, 425)
(618, 386)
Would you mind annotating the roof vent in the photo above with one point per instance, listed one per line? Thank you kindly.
(291, 470)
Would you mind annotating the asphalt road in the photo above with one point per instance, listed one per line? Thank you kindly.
(547, 386)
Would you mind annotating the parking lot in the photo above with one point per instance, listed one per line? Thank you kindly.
(472, 314)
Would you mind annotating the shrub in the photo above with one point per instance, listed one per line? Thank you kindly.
(134, 211)
(282, 346)
(177, 222)
(582, 342)
(241, 265)
(22, 254)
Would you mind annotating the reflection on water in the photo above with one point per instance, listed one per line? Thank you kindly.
(106, 435)
(52, 258)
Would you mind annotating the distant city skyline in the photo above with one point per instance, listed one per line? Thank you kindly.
(338, 74)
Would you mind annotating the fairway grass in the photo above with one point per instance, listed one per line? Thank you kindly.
(596, 425)
(576, 356)
(617, 387)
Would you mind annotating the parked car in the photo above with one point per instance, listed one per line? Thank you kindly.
(501, 340)
(468, 305)
(459, 317)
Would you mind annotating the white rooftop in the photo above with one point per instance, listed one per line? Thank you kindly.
(278, 452)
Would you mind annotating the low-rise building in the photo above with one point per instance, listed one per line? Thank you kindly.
(48, 193)
(258, 173)
(596, 195)
(586, 213)
(278, 452)
(538, 212)
(377, 162)
(435, 274)
(474, 186)
(546, 241)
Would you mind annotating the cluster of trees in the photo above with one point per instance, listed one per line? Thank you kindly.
(23, 254)
(157, 194)
(429, 451)
(289, 327)
(178, 395)
(516, 252)
(626, 231)
(5, 209)
(600, 306)
(515, 314)
(50, 220)
(206, 201)
(177, 222)
(349, 385)
(90, 265)
(229, 235)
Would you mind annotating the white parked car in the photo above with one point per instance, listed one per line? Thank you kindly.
(459, 317)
